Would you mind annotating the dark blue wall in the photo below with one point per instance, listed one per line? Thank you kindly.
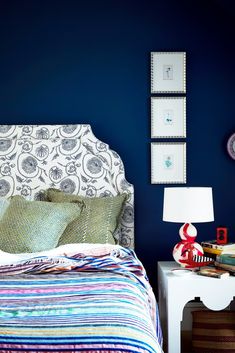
(89, 62)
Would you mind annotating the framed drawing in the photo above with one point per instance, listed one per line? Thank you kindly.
(168, 117)
(168, 163)
(168, 72)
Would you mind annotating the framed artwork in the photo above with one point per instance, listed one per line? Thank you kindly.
(168, 72)
(168, 117)
(168, 163)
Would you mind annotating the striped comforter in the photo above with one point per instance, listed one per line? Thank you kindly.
(78, 303)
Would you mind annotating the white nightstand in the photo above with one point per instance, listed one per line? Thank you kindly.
(174, 293)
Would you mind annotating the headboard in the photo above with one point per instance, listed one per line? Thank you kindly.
(67, 157)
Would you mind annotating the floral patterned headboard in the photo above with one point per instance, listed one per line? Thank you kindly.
(68, 157)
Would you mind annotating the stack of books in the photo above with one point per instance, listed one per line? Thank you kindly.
(212, 249)
(226, 262)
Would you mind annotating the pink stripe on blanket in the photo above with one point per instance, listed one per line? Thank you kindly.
(70, 348)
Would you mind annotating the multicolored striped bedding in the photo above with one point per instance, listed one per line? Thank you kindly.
(78, 303)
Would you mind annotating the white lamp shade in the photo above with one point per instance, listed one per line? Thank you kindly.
(188, 205)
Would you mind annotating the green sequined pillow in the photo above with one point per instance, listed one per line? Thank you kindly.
(32, 226)
(98, 221)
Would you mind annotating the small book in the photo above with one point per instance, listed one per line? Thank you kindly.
(213, 272)
(212, 250)
(228, 259)
(226, 267)
(228, 251)
(213, 245)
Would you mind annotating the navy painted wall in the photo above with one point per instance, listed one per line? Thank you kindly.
(88, 62)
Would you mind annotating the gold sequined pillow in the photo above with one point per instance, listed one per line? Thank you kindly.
(98, 221)
(32, 226)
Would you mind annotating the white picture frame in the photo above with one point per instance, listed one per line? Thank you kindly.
(168, 117)
(168, 163)
(168, 72)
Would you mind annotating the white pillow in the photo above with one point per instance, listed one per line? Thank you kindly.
(63, 250)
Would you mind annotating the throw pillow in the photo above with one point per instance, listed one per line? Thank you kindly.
(4, 203)
(32, 226)
(98, 221)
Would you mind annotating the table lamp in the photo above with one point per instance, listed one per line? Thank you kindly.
(187, 205)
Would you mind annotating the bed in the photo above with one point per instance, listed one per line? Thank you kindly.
(70, 280)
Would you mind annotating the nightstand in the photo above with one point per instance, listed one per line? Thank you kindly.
(174, 293)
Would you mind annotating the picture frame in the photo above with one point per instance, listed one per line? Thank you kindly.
(168, 163)
(168, 72)
(168, 117)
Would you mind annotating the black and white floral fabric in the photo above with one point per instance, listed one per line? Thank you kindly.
(68, 157)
